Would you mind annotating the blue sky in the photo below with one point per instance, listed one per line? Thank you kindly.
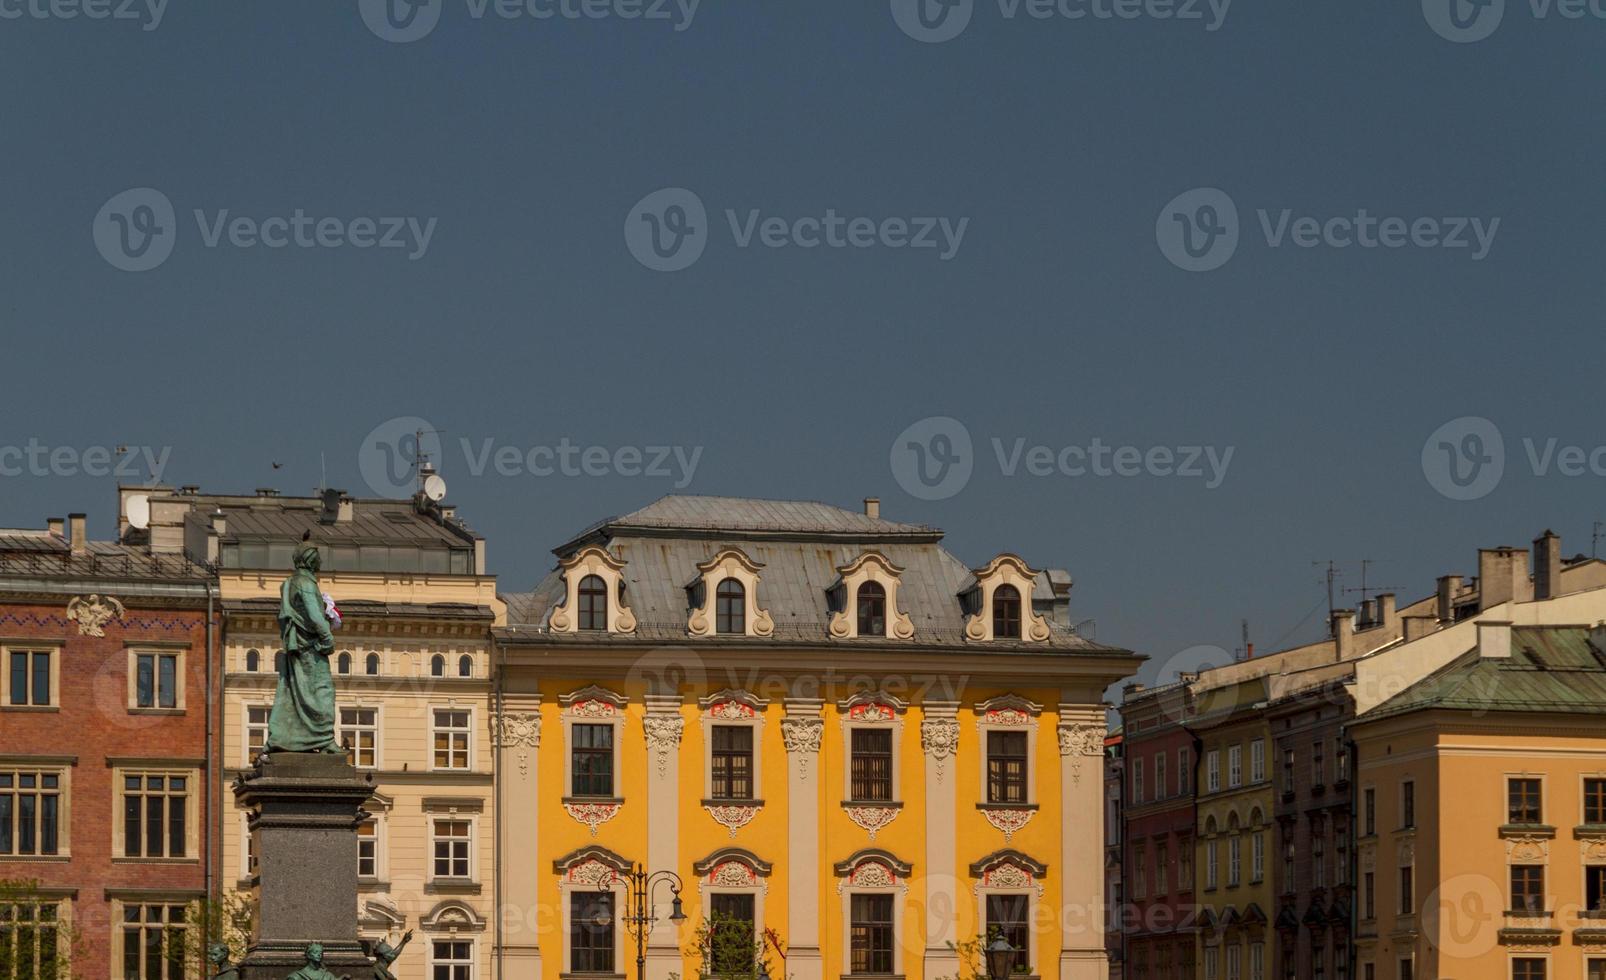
(1063, 147)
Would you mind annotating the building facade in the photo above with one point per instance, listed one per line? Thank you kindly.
(832, 730)
(1114, 851)
(106, 794)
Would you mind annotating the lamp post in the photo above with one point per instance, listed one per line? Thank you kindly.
(1000, 959)
(641, 912)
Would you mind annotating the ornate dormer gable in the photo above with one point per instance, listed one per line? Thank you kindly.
(1001, 603)
(587, 567)
(734, 567)
(869, 578)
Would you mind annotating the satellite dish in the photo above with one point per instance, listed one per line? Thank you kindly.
(435, 488)
(139, 511)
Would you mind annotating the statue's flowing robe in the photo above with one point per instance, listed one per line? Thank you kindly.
(303, 717)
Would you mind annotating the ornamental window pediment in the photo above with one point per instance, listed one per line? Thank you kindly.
(724, 598)
(999, 603)
(594, 595)
(865, 603)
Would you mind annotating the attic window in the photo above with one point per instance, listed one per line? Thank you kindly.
(872, 609)
(593, 603)
(731, 612)
(1006, 613)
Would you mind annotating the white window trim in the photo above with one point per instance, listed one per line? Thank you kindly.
(430, 939)
(1033, 962)
(245, 728)
(1213, 771)
(899, 891)
(566, 891)
(595, 706)
(1138, 794)
(1184, 762)
(431, 818)
(870, 566)
(52, 647)
(1161, 786)
(179, 678)
(758, 890)
(378, 708)
(192, 819)
(381, 865)
(1257, 760)
(1544, 793)
(1008, 713)
(245, 845)
(1235, 766)
(727, 708)
(599, 562)
(473, 729)
(731, 563)
(876, 710)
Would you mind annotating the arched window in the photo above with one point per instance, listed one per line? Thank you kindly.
(465, 666)
(278, 662)
(731, 613)
(1006, 613)
(437, 666)
(372, 665)
(343, 663)
(593, 603)
(253, 661)
(872, 609)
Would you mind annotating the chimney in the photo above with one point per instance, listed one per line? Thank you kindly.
(56, 526)
(1502, 577)
(1494, 639)
(78, 539)
(1249, 651)
(1343, 633)
(267, 492)
(872, 507)
(1385, 609)
(1547, 565)
(1368, 613)
(1449, 585)
(1417, 627)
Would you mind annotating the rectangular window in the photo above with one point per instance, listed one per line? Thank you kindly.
(1595, 888)
(153, 942)
(871, 933)
(1137, 781)
(1370, 808)
(1528, 888)
(156, 680)
(1257, 857)
(591, 760)
(1234, 962)
(1369, 895)
(30, 678)
(1288, 770)
(591, 926)
(1160, 788)
(1006, 767)
(1257, 961)
(1595, 801)
(1528, 968)
(1407, 805)
(256, 730)
(1407, 890)
(451, 959)
(871, 777)
(30, 812)
(1184, 772)
(1407, 968)
(155, 815)
(1257, 760)
(1185, 865)
(1140, 872)
(1007, 919)
(1162, 870)
(731, 913)
(1318, 964)
(1212, 962)
(1212, 770)
(1341, 753)
(1318, 859)
(1211, 870)
(1234, 860)
(1596, 969)
(29, 936)
(368, 850)
(451, 738)
(1522, 801)
(732, 762)
(1235, 766)
(1318, 775)
(451, 840)
(359, 733)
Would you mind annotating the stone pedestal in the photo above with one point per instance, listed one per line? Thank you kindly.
(304, 809)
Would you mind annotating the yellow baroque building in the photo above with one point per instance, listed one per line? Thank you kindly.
(823, 723)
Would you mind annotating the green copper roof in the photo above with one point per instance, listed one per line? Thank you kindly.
(1551, 668)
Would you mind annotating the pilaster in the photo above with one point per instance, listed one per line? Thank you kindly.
(939, 743)
(802, 730)
(1080, 737)
(663, 728)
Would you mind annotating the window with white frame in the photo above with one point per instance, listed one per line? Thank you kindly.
(1257, 961)
(32, 812)
(30, 679)
(1257, 856)
(1235, 962)
(1212, 962)
(155, 680)
(872, 933)
(256, 730)
(451, 737)
(1162, 869)
(248, 849)
(1318, 773)
(1184, 772)
(368, 850)
(359, 734)
(591, 756)
(1008, 918)
(1212, 869)
(1160, 789)
(1235, 766)
(591, 932)
(452, 842)
(1234, 860)
(870, 775)
(451, 959)
(1257, 760)
(1137, 781)
(1212, 770)
(155, 813)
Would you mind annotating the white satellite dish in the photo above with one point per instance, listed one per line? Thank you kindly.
(139, 511)
(435, 488)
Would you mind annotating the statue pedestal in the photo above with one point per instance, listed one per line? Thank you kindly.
(305, 808)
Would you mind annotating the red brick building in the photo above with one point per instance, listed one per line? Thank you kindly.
(106, 798)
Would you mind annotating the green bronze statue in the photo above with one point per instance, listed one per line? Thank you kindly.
(218, 954)
(303, 717)
(313, 970)
(385, 954)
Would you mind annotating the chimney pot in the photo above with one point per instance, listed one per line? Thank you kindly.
(1417, 627)
(56, 526)
(1449, 586)
(78, 538)
(1343, 633)
(872, 507)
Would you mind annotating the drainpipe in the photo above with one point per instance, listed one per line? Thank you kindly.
(1354, 847)
(496, 799)
(214, 705)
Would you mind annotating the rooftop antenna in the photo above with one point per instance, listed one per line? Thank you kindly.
(1243, 651)
(1594, 540)
(1332, 575)
(323, 474)
(1364, 589)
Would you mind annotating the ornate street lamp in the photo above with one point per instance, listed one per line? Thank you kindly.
(1000, 959)
(641, 911)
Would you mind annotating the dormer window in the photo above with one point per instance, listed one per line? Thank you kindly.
(872, 608)
(731, 611)
(1006, 613)
(593, 603)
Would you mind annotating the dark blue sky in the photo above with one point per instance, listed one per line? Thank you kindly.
(1057, 320)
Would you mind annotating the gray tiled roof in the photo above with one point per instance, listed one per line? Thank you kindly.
(372, 522)
(40, 553)
(800, 546)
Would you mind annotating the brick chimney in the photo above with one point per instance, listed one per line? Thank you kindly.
(1494, 639)
(56, 526)
(872, 507)
(1449, 585)
(1502, 577)
(1547, 565)
(1343, 633)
